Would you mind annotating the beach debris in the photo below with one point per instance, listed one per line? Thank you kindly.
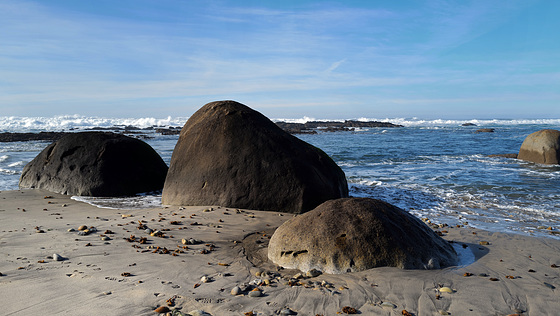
(126, 274)
(57, 257)
(494, 279)
(349, 310)
(236, 290)
(162, 309)
(467, 274)
(198, 312)
(484, 243)
(406, 313)
(554, 265)
(446, 289)
(443, 312)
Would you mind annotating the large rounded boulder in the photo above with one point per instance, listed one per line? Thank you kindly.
(541, 147)
(231, 155)
(96, 164)
(355, 234)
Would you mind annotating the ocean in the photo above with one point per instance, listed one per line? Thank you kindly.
(436, 169)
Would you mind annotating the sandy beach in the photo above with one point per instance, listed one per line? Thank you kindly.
(119, 269)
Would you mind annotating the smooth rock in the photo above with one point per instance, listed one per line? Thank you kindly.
(255, 293)
(57, 257)
(83, 227)
(356, 234)
(236, 290)
(198, 312)
(541, 147)
(287, 311)
(313, 273)
(162, 309)
(231, 155)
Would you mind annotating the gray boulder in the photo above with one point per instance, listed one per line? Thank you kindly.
(541, 147)
(96, 164)
(231, 155)
(355, 234)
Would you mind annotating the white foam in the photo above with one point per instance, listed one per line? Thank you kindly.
(135, 202)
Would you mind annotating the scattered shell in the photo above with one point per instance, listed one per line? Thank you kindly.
(236, 290)
(57, 257)
(162, 309)
(255, 293)
(446, 289)
(388, 305)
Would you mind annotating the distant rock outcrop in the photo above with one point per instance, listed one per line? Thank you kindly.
(231, 155)
(541, 147)
(355, 234)
(96, 164)
(485, 130)
(330, 126)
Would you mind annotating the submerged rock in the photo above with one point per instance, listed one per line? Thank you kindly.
(355, 234)
(231, 155)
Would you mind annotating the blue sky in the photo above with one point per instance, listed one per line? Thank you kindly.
(287, 59)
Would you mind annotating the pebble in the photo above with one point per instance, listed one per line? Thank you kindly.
(388, 305)
(255, 293)
(205, 279)
(83, 227)
(148, 231)
(550, 286)
(57, 257)
(70, 230)
(236, 290)
(313, 273)
(442, 312)
(198, 312)
(445, 289)
(105, 238)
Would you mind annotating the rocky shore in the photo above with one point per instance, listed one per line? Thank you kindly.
(331, 126)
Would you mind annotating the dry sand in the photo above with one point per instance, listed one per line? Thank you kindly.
(119, 277)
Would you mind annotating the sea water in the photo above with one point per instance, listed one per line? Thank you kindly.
(432, 168)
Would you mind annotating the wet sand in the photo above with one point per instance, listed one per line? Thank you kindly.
(133, 275)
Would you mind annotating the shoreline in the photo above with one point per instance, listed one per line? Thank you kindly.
(119, 276)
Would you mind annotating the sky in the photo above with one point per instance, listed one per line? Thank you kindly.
(454, 59)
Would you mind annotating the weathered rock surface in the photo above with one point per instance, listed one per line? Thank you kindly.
(355, 234)
(231, 155)
(541, 147)
(96, 164)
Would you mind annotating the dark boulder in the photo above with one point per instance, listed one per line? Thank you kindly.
(541, 147)
(231, 155)
(355, 234)
(96, 164)
(485, 130)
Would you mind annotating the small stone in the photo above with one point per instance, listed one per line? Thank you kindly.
(446, 289)
(550, 286)
(236, 290)
(57, 257)
(70, 230)
(484, 243)
(198, 312)
(313, 273)
(349, 310)
(205, 279)
(298, 276)
(255, 293)
(388, 305)
(83, 227)
(107, 293)
(442, 312)
(287, 311)
(105, 238)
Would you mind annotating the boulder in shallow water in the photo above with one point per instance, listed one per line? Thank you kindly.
(231, 155)
(355, 234)
(541, 147)
(96, 164)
